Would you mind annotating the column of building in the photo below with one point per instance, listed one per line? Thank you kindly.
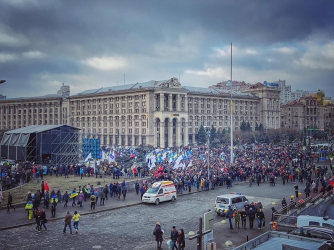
(170, 102)
(170, 132)
(162, 122)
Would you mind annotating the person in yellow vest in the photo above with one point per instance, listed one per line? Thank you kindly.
(76, 218)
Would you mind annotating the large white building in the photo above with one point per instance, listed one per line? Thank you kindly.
(159, 113)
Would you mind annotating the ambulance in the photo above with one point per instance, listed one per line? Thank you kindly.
(159, 192)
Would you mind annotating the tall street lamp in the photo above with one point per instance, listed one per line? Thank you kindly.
(208, 133)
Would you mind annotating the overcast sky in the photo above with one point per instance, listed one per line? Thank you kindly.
(91, 44)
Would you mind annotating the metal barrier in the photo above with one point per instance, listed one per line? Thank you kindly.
(288, 214)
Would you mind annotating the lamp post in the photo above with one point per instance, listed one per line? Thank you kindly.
(208, 133)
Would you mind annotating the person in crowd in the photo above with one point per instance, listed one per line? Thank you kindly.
(260, 218)
(38, 217)
(137, 187)
(67, 222)
(237, 218)
(158, 233)
(81, 198)
(181, 243)
(124, 191)
(92, 201)
(229, 215)
(9, 202)
(43, 220)
(173, 238)
(251, 217)
(66, 198)
(101, 197)
(243, 216)
(76, 218)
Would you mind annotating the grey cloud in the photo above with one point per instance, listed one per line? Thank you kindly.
(149, 35)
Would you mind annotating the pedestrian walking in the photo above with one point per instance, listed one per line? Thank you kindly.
(38, 215)
(181, 240)
(43, 220)
(173, 238)
(68, 219)
(81, 198)
(137, 187)
(260, 218)
(142, 192)
(243, 216)
(251, 216)
(124, 191)
(296, 190)
(66, 197)
(9, 202)
(229, 215)
(76, 218)
(307, 192)
(74, 195)
(101, 197)
(237, 218)
(92, 201)
(158, 232)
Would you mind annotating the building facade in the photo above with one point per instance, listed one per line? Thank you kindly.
(308, 113)
(269, 106)
(157, 113)
(287, 95)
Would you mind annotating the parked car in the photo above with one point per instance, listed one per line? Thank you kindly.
(236, 201)
(314, 232)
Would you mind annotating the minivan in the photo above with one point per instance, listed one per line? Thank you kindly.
(236, 201)
(306, 220)
(160, 191)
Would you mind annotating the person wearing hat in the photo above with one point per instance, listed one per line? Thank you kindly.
(158, 232)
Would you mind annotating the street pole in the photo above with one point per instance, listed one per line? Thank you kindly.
(231, 115)
(208, 136)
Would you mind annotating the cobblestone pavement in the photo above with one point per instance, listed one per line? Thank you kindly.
(131, 227)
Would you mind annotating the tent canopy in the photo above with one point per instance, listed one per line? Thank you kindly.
(38, 142)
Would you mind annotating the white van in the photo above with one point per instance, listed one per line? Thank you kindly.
(306, 220)
(160, 191)
(236, 201)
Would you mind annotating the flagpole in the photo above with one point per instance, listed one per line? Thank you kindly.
(231, 115)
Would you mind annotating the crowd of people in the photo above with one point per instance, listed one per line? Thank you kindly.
(187, 167)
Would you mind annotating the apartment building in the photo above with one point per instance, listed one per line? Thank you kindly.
(308, 112)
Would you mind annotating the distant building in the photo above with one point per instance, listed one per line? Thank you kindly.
(269, 104)
(236, 86)
(286, 94)
(158, 113)
(311, 112)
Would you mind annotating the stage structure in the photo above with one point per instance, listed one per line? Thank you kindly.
(47, 144)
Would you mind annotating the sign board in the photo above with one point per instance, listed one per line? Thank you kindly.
(208, 225)
(175, 115)
(271, 84)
